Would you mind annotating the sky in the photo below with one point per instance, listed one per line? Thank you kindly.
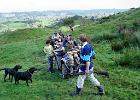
(43, 5)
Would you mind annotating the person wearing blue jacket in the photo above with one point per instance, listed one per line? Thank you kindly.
(87, 54)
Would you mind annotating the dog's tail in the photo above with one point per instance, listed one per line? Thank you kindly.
(2, 69)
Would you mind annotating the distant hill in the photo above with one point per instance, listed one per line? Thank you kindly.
(63, 12)
(21, 20)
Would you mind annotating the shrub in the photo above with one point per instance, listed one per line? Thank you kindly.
(136, 25)
(117, 46)
(132, 39)
(131, 58)
(109, 37)
(137, 38)
(130, 35)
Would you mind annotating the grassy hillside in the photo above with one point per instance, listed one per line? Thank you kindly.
(25, 47)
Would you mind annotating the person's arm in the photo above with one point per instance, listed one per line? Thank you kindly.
(87, 67)
(52, 51)
(45, 50)
(59, 50)
(93, 54)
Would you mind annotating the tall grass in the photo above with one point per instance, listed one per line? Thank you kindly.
(130, 58)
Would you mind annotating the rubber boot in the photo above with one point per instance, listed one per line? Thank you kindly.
(77, 92)
(100, 90)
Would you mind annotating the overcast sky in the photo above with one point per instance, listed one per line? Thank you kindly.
(41, 5)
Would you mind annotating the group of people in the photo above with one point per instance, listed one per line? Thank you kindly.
(62, 47)
(65, 46)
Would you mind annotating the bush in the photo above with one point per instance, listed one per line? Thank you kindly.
(103, 20)
(136, 25)
(132, 39)
(117, 46)
(129, 35)
(137, 38)
(109, 37)
(131, 58)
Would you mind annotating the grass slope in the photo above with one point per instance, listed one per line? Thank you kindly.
(25, 47)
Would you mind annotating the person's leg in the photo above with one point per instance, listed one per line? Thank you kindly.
(50, 63)
(59, 62)
(80, 83)
(93, 80)
(96, 82)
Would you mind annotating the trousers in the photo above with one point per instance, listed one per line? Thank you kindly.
(50, 62)
(81, 79)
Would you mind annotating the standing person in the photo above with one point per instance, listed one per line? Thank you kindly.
(48, 50)
(55, 36)
(86, 55)
(59, 52)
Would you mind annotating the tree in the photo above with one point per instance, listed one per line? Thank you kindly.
(69, 22)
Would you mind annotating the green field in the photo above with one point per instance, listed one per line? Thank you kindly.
(14, 23)
(25, 47)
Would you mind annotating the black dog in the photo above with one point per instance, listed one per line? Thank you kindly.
(11, 72)
(27, 75)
